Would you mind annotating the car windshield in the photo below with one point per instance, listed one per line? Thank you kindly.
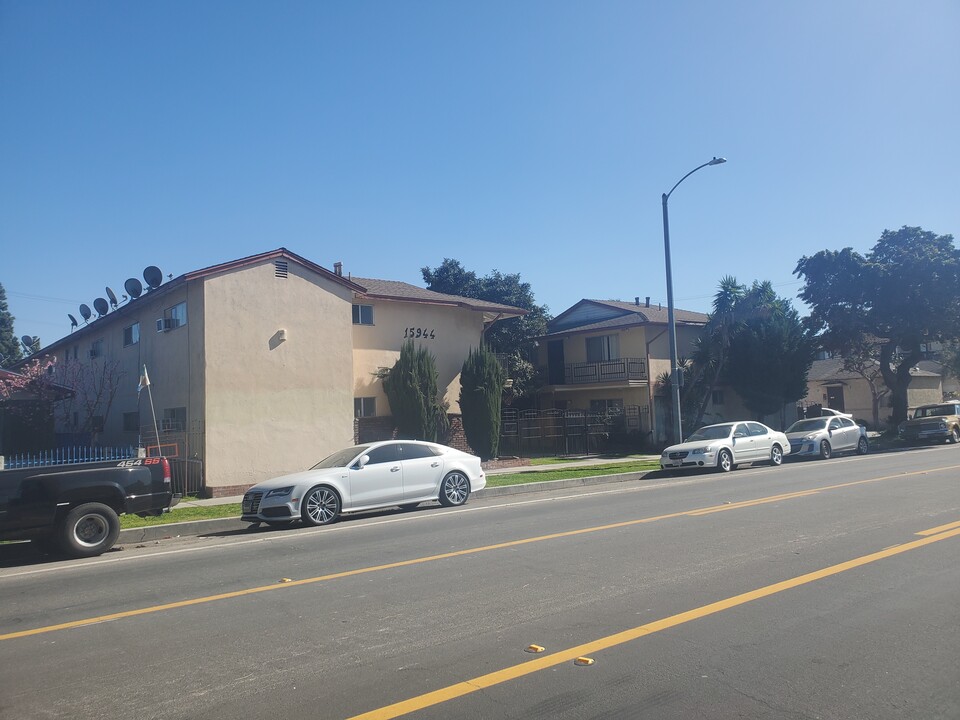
(808, 425)
(934, 411)
(711, 432)
(341, 458)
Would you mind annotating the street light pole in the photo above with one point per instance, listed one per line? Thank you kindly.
(676, 373)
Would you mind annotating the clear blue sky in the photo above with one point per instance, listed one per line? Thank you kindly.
(529, 137)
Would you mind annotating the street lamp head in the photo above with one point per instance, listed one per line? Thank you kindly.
(717, 161)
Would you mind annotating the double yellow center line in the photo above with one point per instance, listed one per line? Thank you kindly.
(433, 558)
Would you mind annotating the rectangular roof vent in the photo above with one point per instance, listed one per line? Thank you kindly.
(280, 268)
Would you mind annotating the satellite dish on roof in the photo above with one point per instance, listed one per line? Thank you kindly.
(111, 297)
(100, 305)
(153, 276)
(85, 311)
(26, 340)
(73, 321)
(133, 287)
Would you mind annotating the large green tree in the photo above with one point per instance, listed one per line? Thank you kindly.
(411, 388)
(745, 316)
(481, 391)
(514, 337)
(9, 345)
(905, 291)
(770, 355)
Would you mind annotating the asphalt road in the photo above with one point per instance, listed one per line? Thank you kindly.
(824, 589)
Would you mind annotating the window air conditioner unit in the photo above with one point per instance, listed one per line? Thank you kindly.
(165, 324)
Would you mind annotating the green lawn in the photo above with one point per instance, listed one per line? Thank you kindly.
(185, 514)
(209, 512)
(570, 473)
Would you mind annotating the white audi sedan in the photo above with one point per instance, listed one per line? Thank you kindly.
(403, 473)
(726, 445)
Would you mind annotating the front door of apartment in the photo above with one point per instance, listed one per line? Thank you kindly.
(835, 398)
(555, 363)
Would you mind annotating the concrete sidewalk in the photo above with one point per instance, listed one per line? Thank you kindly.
(234, 524)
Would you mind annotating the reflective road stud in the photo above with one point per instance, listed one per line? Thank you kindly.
(584, 661)
(534, 649)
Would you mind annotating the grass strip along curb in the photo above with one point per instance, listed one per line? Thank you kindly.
(232, 510)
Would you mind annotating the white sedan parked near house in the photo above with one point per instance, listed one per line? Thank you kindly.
(726, 445)
(823, 436)
(404, 473)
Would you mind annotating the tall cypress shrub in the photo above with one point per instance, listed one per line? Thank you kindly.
(481, 390)
(411, 388)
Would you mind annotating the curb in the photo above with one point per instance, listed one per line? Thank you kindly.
(152, 533)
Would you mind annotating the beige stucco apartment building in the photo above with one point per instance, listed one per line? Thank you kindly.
(258, 367)
(606, 355)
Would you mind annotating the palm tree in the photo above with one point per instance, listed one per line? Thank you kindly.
(721, 324)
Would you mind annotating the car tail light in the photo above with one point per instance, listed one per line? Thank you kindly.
(165, 464)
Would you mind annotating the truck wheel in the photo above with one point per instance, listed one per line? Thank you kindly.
(89, 529)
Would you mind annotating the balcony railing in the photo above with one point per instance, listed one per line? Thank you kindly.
(619, 370)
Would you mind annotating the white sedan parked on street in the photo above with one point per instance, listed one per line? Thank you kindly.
(726, 445)
(404, 473)
(823, 436)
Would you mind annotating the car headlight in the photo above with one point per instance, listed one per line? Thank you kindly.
(701, 450)
(943, 425)
(900, 427)
(810, 437)
(280, 492)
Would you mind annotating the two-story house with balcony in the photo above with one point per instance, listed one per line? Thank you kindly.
(606, 355)
(259, 366)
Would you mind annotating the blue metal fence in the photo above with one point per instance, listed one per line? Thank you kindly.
(67, 456)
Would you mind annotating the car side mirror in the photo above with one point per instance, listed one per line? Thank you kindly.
(362, 461)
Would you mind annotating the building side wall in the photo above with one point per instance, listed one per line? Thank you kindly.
(445, 331)
(171, 359)
(278, 373)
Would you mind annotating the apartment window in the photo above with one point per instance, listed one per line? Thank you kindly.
(131, 422)
(605, 347)
(174, 419)
(716, 397)
(131, 335)
(364, 407)
(76, 351)
(363, 314)
(75, 420)
(177, 313)
(96, 423)
(96, 348)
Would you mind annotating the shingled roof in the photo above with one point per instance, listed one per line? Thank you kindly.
(591, 315)
(396, 290)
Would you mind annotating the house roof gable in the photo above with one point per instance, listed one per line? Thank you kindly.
(587, 315)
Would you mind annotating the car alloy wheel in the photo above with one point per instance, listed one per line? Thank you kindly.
(320, 506)
(776, 455)
(454, 489)
(724, 461)
(825, 450)
(862, 446)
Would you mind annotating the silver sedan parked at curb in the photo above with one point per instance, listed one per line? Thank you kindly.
(401, 473)
(823, 436)
(726, 445)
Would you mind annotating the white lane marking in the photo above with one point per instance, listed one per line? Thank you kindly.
(75, 565)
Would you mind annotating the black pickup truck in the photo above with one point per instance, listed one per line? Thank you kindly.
(74, 509)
